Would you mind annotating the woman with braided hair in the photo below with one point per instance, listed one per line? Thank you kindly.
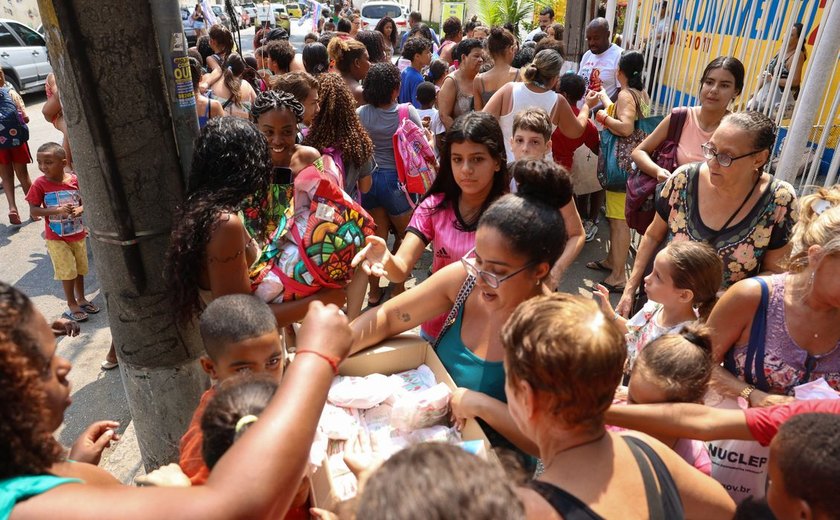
(308, 252)
(337, 131)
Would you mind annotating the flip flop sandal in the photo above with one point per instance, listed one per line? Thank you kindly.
(14, 218)
(90, 308)
(75, 316)
(614, 289)
(598, 265)
(108, 365)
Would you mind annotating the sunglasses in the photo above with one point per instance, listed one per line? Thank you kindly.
(492, 280)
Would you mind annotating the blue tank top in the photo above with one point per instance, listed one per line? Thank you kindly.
(467, 369)
(202, 120)
(15, 489)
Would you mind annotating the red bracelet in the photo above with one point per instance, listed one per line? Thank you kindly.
(333, 361)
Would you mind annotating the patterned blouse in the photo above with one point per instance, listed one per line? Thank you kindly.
(742, 245)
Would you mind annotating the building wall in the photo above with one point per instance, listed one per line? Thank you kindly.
(24, 11)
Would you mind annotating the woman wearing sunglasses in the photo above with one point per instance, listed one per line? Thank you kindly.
(726, 201)
(518, 238)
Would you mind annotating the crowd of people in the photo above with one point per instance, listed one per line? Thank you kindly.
(299, 205)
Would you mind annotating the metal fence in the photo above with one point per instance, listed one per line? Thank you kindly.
(696, 31)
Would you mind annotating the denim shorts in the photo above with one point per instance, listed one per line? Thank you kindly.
(386, 193)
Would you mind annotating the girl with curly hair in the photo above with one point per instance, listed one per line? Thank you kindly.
(337, 131)
(352, 62)
(32, 407)
(389, 31)
(300, 261)
(36, 482)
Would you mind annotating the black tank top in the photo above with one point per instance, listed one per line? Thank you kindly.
(663, 503)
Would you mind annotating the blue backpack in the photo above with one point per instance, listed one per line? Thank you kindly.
(13, 131)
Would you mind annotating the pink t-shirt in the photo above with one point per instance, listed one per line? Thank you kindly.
(695, 453)
(692, 137)
(450, 237)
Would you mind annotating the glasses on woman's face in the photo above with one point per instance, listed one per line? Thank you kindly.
(723, 159)
(492, 280)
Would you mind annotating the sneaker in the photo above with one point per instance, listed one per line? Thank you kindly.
(590, 230)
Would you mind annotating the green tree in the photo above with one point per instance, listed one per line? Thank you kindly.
(518, 13)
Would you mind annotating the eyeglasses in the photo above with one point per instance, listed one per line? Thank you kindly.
(722, 158)
(492, 280)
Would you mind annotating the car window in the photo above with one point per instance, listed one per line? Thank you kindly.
(7, 39)
(217, 10)
(26, 34)
(380, 11)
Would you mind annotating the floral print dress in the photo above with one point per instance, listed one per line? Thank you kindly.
(742, 245)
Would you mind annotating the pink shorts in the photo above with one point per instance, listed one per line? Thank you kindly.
(17, 155)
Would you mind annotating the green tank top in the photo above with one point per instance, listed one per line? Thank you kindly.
(15, 489)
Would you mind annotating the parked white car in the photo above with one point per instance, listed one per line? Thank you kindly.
(23, 57)
(374, 11)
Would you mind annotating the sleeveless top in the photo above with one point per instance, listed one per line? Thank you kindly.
(487, 94)
(463, 102)
(692, 137)
(202, 120)
(17, 489)
(523, 98)
(663, 503)
(467, 369)
(786, 364)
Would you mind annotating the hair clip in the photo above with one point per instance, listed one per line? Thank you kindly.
(245, 421)
(819, 206)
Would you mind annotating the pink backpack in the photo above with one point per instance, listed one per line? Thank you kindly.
(416, 163)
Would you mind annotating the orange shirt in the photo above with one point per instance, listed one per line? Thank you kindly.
(191, 461)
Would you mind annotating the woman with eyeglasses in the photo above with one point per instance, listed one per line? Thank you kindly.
(517, 241)
(801, 340)
(728, 202)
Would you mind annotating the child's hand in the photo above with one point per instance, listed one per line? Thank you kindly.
(602, 296)
(373, 257)
(77, 211)
(65, 210)
(592, 99)
(98, 436)
(65, 327)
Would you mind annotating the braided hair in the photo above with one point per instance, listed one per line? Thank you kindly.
(337, 123)
(276, 100)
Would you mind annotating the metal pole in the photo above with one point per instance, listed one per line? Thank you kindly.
(811, 95)
(611, 15)
(172, 47)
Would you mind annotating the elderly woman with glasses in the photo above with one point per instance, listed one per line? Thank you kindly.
(518, 240)
(728, 202)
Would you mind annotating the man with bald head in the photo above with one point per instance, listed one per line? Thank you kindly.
(600, 63)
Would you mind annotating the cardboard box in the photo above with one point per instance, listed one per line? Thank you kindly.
(397, 354)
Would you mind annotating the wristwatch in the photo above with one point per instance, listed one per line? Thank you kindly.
(746, 393)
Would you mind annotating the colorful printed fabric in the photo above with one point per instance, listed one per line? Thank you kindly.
(741, 246)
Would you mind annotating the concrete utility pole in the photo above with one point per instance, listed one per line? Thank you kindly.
(122, 112)
(578, 14)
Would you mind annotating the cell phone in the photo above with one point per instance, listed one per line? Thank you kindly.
(281, 175)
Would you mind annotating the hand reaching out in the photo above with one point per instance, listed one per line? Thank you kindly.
(373, 257)
(93, 441)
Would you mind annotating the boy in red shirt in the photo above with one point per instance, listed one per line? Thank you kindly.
(56, 197)
(240, 336)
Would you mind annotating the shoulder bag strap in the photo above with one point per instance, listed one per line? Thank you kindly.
(463, 294)
(664, 502)
(754, 366)
(676, 124)
(402, 112)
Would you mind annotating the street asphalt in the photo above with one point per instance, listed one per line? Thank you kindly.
(99, 394)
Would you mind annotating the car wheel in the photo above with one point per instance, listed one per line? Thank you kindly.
(12, 82)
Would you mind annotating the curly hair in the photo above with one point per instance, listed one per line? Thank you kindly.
(28, 445)
(337, 123)
(276, 100)
(231, 163)
(281, 52)
(381, 28)
(380, 83)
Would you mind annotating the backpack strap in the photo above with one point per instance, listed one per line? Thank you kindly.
(402, 112)
(463, 294)
(663, 501)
